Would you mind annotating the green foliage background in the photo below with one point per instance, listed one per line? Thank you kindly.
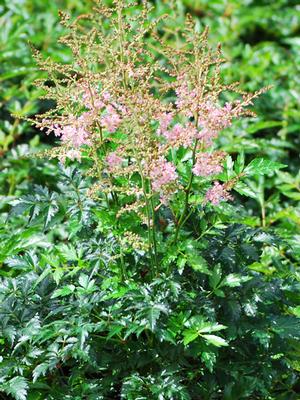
(47, 274)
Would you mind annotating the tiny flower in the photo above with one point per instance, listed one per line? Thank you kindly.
(186, 100)
(76, 136)
(181, 135)
(212, 119)
(217, 193)
(175, 133)
(208, 164)
(74, 154)
(162, 173)
(111, 120)
(91, 98)
(165, 120)
(106, 96)
(113, 160)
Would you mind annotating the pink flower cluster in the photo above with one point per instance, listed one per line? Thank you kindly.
(162, 173)
(113, 160)
(93, 101)
(91, 98)
(164, 120)
(212, 119)
(76, 132)
(111, 120)
(207, 164)
(181, 135)
(217, 193)
(186, 99)
(178, 134)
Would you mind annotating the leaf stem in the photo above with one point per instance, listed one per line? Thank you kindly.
(187, 194)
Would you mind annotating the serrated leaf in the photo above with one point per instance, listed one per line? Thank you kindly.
(215, 277)
(49, 212)
(189, 335)
(16, 387)
(64, 291)
(68, 252)
(261, 166)
(215, 340)
(209, 359)
(240, 163)
(234, 280)
(211, 327)
(198, 263)
(152, 314)
(83, 280)
(39, 370)
(243, 189)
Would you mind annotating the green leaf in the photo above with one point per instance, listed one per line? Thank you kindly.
(43, 275)
(211, 327)
(215, 340)
(262, 125)
(152, 314)
(68, 252)
(240, 163)
(83, 280)
(260, 166)
(189, 335)
(198, 263)
(215, 277)
(39, 370)
(234, 280)
(296, 311)
(114, 330)
(64, 291)
(16, 387)
(209, 359)
(243, 189)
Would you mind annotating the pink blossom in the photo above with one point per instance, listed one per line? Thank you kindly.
(186, 98)
(212, 119)
(165, 120)
(113, 160)
(181, 135)
(75, 135)
(175, 133)
(56, 128)
(106, 96)
(74, 154)
(75, 132)
(90, 97)
(207, 164)
(111, 120)
(162, 173)
(207, 136)
(217, 193)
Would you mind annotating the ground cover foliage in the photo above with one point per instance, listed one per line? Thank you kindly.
(91, 306)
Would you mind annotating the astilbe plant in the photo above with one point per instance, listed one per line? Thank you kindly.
(146, 122)
(149, 284)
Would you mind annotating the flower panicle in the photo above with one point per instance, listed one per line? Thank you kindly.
(131, 114)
